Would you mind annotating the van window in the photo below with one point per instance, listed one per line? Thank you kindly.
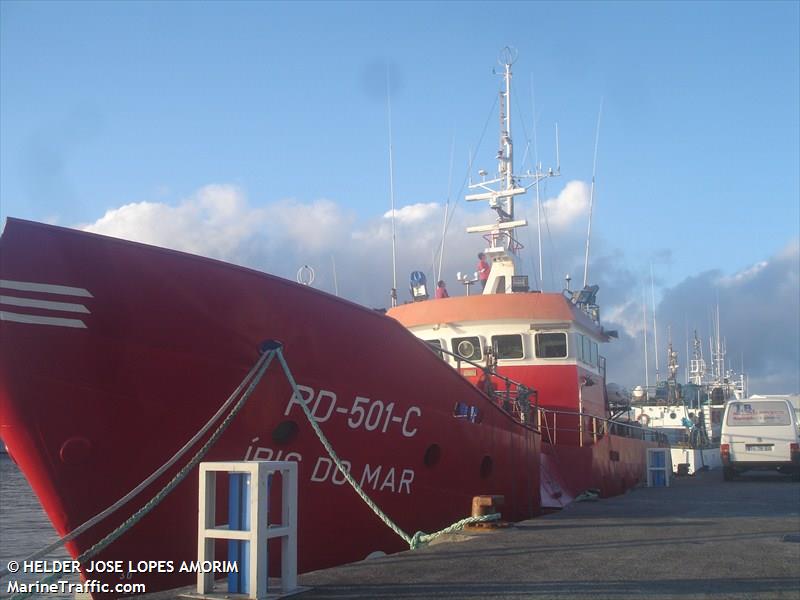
(507, 346)
(468, 347)
(436, 346)
(757, 413)
(551, 345)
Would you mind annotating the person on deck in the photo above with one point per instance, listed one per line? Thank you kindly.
(483, 269)
(441, 290)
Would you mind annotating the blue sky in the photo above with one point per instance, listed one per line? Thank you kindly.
(105, 105)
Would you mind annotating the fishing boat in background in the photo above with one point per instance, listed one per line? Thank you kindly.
(690, 414)
(113, 354)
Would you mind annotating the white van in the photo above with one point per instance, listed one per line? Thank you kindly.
(760, 432)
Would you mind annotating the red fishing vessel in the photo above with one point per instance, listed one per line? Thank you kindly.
(113, 354)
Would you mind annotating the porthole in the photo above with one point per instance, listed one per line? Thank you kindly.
(672, 415)
(285, 432)
(432, 455)
(466, 348)
(486, 467)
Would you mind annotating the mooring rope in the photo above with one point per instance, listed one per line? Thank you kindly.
(266, 357)
(260, 368)
(419, 538)
(254, 376)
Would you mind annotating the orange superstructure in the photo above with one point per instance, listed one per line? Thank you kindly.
(535, 307)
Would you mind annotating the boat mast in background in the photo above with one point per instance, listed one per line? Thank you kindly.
(644, 322)
(698, 364)
(719, 353)
(655, 326)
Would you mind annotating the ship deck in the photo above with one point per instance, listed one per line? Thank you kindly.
(699, 538)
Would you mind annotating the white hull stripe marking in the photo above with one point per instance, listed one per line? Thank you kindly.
(38, 320)
(29, 286)
(47, 304)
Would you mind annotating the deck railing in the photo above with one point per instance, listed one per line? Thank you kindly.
(515, 398)
(548, 424)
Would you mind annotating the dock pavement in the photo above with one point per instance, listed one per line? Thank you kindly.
(699, 538)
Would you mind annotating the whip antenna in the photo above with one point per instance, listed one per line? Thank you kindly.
(446, 208)
(391, 190)
(591, 196)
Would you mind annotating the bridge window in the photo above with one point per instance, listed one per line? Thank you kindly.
(507, 346)
(468, 348)
(551, 345)
(436, 346)
(587, 350)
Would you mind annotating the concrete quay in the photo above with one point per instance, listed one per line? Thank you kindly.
(699, 538)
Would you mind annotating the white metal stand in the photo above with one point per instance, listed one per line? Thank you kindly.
(260, 529)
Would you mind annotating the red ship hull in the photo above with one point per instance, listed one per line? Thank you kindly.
(93, 400)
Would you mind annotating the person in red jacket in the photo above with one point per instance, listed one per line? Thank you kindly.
(483, 269)
(441, 290)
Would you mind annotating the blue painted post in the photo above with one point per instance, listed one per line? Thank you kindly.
(239, 520)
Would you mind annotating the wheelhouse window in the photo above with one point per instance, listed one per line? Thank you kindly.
(507, 346)
(551, 345)
(436, 346)
(468, 348)
(587, 349)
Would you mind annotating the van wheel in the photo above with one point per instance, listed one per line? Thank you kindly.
(728, 474)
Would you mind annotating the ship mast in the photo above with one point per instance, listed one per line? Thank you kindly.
(672, 369)
(698, 364)
(504, 247)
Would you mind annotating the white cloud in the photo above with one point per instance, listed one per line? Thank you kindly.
(414, 213)
(744, 275)
(571, 204)
(213, 222)
(628, 316)
(218, 221)
(315, 227)
(759, 314)
(759, 305)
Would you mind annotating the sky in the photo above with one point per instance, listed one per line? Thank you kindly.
(258, 133)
